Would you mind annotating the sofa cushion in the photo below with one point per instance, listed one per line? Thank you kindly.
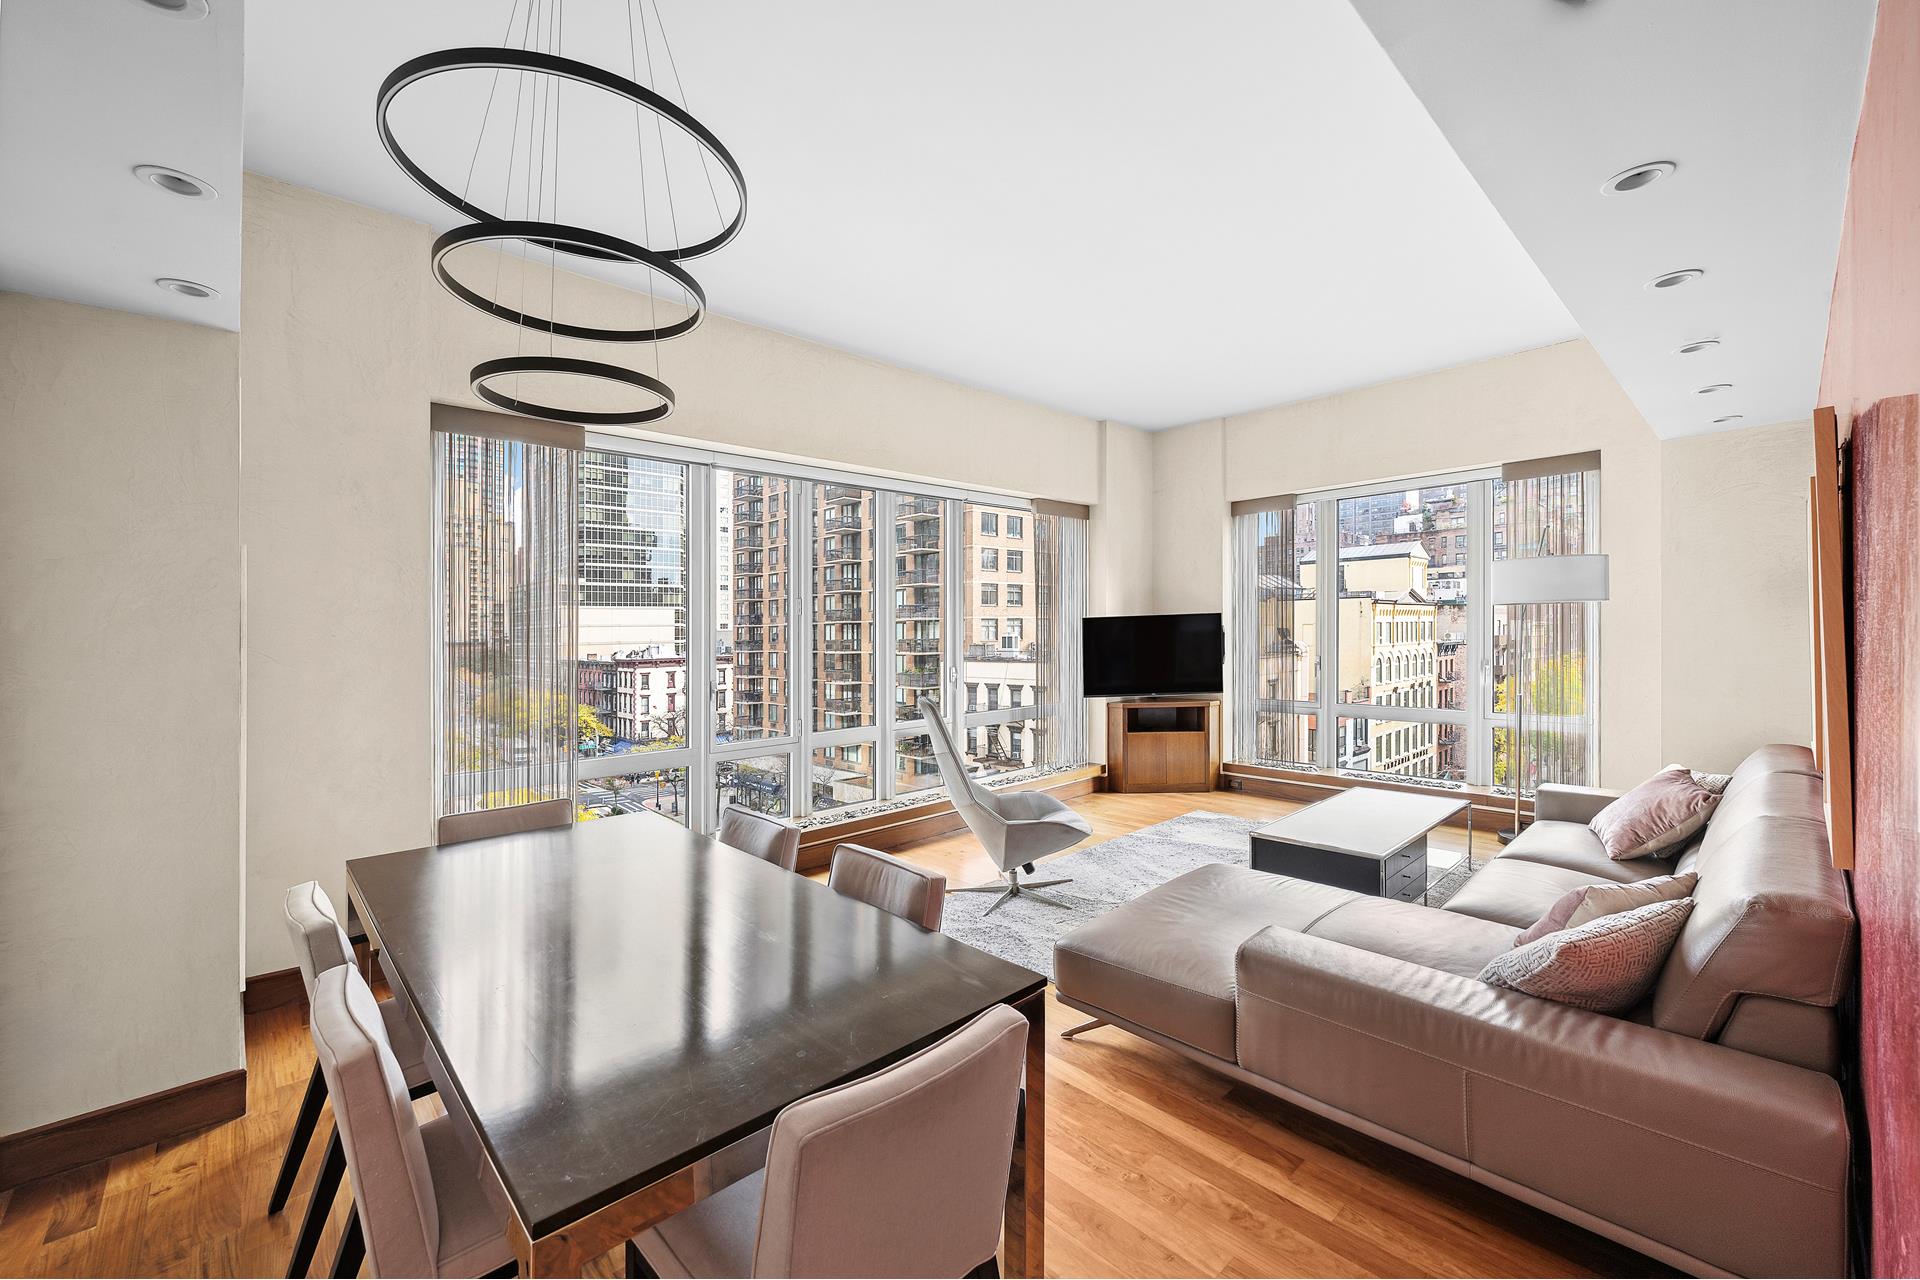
(1407, 931)
(1590, 902)
(1165, 960)
(1663, 813)
(1574, 846)
(1514, 891)
(1605, 965)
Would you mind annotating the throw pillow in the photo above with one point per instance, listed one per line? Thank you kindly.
(1659, 815)
(1591, 901)
(1606, 965)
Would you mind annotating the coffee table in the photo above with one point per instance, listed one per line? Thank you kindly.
(1365, 839)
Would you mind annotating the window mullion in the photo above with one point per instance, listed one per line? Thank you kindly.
(885, 654)
(1326, 600)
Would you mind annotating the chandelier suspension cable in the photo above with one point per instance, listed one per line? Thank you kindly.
(640, 162)
(681, 89)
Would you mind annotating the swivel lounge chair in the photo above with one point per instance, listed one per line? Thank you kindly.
(1014, 827)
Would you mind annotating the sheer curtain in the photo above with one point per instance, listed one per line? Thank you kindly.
(1548, 508)
(1061, 551)
(508, 723)
(1273, 603)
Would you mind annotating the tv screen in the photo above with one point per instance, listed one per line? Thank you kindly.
(1153, 653)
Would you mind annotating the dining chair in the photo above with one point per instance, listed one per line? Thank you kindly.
(902, 1173)
(766, 837)
(320, 944)
(1014, 827)
(884, 881)
(420, 1204)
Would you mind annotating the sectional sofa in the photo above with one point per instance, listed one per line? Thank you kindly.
(1705, 1127)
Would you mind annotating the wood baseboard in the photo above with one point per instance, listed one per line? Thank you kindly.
(1491, 812)
(271, 990)
(82, 1140)
(896, 827)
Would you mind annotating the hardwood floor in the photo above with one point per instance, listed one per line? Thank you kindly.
(1155, 1166)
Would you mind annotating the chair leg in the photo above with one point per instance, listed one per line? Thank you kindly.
(298, 1140)
(1091, 1024)
(999, 902)
(352, 1250)
(319, 1206)
(1044, 884)
(638, 1268)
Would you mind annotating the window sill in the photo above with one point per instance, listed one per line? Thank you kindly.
(892, 823)
(1492, 807)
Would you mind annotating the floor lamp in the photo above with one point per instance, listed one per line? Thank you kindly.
(1533, 580)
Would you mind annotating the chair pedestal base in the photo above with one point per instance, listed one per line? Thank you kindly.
(1014, 887)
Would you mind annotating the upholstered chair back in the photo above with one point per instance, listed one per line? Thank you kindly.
(386, 1158)
(319, 943)
(883, 881)
(903, 1173)
(768, 838)
(973, 802)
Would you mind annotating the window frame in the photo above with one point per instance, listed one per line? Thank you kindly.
(702, 757)
(1476, 721)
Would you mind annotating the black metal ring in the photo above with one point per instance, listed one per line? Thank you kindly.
(483, 59)
(579, 368)
(557, 236)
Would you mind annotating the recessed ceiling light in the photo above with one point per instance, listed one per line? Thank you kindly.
(175, 182)
(1695, 348)
(188, 10)
(1714, 389)
(1672, 278)
(1641, 175)
(1731, 417)
(187, 288)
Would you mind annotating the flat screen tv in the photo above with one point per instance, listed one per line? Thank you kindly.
(1131, 657)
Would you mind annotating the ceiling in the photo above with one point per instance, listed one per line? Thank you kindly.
(1132, 210)
(88, 90)
(1755, 101)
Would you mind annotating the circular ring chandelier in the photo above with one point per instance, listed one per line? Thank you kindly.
(497, 381)
(487, 370)
(554, 235)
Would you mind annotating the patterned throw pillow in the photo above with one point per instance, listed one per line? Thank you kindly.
(1606, 965)
(1656, 817)
(1591, 901)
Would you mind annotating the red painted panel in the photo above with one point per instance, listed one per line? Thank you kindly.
(1886, 805)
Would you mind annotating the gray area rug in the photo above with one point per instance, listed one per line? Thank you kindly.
(1106, 875)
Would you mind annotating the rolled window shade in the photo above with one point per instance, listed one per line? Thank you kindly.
(454, 418)
(1260, 506)
(1071, 510)
(1539, 468)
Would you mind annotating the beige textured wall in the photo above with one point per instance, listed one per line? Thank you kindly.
(1734, 635)
(339, 533)
(347, 340)
(120, 708)
(1553, 400)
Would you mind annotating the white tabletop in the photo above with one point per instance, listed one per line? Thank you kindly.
(1364, 821)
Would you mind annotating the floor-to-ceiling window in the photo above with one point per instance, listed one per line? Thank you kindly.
(1365, 642)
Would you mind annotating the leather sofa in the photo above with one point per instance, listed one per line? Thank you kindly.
(1705, 1127)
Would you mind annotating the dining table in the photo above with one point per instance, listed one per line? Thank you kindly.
(616, 1011)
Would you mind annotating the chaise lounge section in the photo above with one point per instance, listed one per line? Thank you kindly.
(1704, 1127)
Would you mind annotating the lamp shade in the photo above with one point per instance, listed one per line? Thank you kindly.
(1549, 580)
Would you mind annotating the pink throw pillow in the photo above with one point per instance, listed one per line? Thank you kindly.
(1659, 815)
(1591, 901)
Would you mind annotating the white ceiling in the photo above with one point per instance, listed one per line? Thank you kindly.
(1756, 101)
(1125, 208)
(88, 90)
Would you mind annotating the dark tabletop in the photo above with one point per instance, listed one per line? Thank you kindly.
(619, 998)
